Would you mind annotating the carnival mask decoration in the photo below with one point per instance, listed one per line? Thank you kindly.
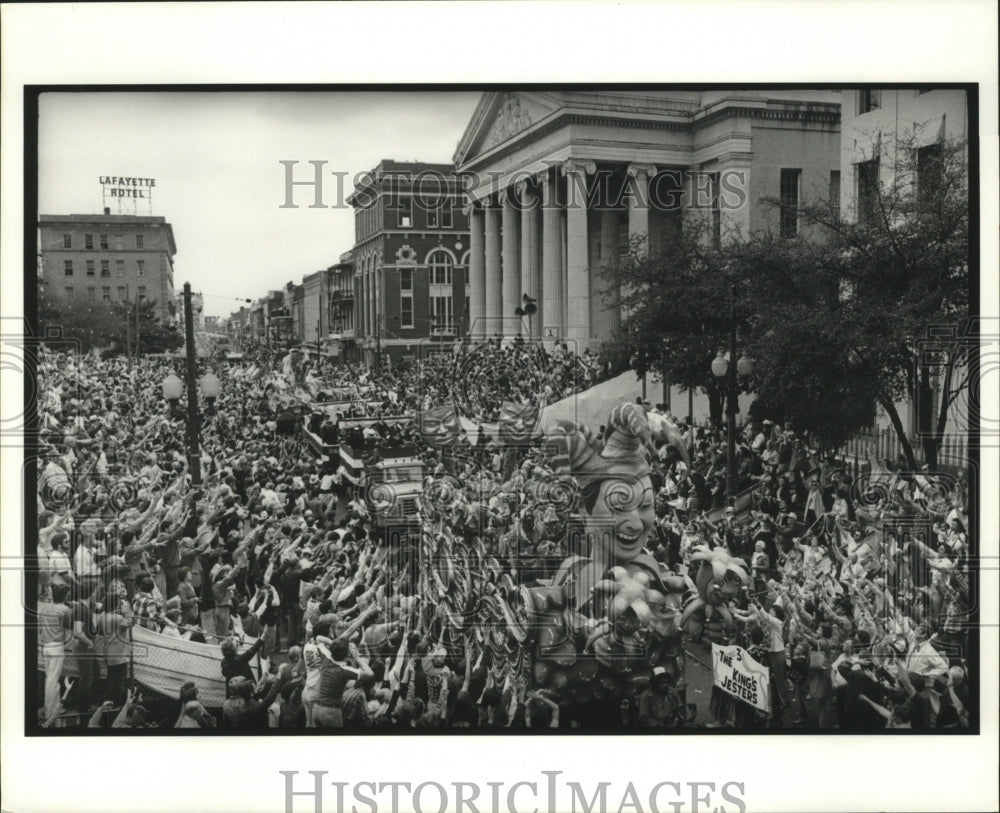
(439, 426)
(717, 582)
(517, 422)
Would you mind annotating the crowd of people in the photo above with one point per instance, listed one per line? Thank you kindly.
(861, 619)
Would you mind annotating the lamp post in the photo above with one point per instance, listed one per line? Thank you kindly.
(527, 308)
(722, 368)
(194, 427)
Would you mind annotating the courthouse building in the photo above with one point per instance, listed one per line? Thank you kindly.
(559, 182)
(109, 258)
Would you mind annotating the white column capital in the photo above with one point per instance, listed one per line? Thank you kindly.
(635, 170)
(526, 192)
(573, 166)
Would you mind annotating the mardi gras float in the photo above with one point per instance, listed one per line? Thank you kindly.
(609, 613)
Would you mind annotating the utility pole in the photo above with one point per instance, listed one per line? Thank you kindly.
(731, 403)
(194, 427)
(137, 330)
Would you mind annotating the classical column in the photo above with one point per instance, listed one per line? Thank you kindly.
(492, 264)
(511, 263)
(638, 203)
(530, 251)
(477, 269)
(552, 287)
(607, 308)
(577, 251)
(609, 234)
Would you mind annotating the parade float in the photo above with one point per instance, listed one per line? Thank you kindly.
(609, 613)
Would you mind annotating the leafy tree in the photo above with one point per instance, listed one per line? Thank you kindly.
(902, 267)
(833, 319)
(107, 326)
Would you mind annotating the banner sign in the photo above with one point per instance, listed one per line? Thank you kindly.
(736, 673)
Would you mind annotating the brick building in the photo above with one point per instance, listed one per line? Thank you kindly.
(410, 258)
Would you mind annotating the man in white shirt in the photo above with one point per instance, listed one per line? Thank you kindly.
(923, 658)
(85, 564)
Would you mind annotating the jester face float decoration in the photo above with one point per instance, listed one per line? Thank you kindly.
(518, 422)
(613, 608)
(440, 426)
(717, 582)
(615, 488)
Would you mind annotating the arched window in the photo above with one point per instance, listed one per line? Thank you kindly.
(440, 262)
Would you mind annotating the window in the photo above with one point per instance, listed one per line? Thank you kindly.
(88, 240)
(139, 241)
(835, 193)
(441, 310)
(104, 241)
(67, 241)
(120, 268)
(69, 291)
(141, 293)
(716, 208)
(91, 292)
(90, 268)
(406, 298)
(106, 294)
(789, 193)
(867, 179)
(928, 174)
(140, 267)
(119, 242)
(440, 264)
(869, 100)
(68, 267)
(439, 214)
(105, 268)
(404, 209)
(121, 293)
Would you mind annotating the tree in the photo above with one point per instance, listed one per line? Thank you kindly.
(902, 267)
(678, 306)
(107, 326)
(834, 319)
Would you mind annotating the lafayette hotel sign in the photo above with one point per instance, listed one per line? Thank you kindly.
(117, 187)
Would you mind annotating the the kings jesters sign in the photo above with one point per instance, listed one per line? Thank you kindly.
(735, 672)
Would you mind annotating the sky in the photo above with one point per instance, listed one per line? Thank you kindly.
(219, 183)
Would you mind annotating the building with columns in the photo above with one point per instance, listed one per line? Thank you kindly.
(559, 182)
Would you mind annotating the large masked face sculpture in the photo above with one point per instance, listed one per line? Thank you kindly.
(439, 426)
(517, 422)
(615, 487)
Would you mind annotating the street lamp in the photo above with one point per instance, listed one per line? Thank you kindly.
(721, 368)
(173, 387)
(527, 308)
(210, 386)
